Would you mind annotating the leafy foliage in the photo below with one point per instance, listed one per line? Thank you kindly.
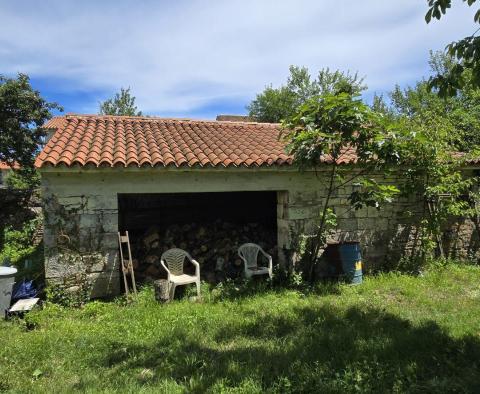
(434, 129)
(58, 294)
(22, 113)
(277, 104)
(122, 104)
(466, 51)
(23, 179)
(456, 120)
(17, 244)
(433, 173)
(327, 127)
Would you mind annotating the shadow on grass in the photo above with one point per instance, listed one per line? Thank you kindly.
(312, 350)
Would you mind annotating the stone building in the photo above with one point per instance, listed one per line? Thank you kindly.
(104, 174)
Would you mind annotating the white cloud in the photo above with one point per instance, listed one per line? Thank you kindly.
(183, 55)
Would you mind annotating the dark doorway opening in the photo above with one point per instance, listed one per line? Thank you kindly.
(210, 226)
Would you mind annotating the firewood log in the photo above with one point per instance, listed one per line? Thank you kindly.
(162, 290)
(152, 271)
(152, 259)
(151, 235)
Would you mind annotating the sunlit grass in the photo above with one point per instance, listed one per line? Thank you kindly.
(394, 333)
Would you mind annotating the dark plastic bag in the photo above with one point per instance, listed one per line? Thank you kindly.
(24, 289)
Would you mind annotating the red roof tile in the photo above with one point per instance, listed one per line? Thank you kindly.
(5, 166)
(143, 141)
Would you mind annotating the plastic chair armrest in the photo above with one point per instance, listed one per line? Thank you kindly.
(166, 269)
(197, 267)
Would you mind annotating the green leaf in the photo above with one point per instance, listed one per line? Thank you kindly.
(477, 16)
(428, 16)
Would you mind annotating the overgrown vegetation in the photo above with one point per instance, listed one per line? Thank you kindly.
(24, 179)
(18, 244)
(438, 137)
(79, 296)
(18, 248)
(395, 333)
(424, 140)
(331, 126)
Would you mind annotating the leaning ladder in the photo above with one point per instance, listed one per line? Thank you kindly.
(127, 264)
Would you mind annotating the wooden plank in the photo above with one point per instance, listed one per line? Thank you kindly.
(24, 305)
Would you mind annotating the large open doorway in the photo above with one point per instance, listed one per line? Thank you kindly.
(210, 226)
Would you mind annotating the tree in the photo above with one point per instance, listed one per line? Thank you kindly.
(437, 127)
(466, 51)
(323, 128)
(276, 104)
(122, 104)
(456, 118)
(22, 113)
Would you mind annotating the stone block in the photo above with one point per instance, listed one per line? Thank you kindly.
(103, 202)
(104, 284)
(347, 224)
(373, 212)
(63, 265)
(89, 220)
(95, 262)
(361, 213)
(109, 240)
(112, 260)
(71, 202)
(302, 212)
(283, 234)
(304, 196)
(365, 223)
(280, 211)
(282, 197)
(49, 238)
(110, 222)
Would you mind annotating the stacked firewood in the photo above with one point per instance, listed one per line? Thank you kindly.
(213, 245)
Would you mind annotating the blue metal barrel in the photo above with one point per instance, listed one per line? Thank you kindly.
(351, 261)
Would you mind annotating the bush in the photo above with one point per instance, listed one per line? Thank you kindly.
(75, 296)
(18, 244)
(23, 180)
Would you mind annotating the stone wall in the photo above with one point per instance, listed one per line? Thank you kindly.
(81, 217)
(385, 234)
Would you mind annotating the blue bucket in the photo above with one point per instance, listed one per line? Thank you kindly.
(351, 262)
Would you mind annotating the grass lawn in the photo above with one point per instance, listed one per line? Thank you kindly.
(394, 333)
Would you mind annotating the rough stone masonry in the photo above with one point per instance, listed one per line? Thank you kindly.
(81, 217)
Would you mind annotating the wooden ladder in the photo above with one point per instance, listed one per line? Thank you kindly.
(127, 264)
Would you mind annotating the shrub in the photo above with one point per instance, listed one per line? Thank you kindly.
(18, 244)
(23, 180)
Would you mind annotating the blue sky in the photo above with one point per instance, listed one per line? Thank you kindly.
(200, 58)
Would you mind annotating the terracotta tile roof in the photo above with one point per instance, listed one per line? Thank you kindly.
(143, 141)
(5, 166)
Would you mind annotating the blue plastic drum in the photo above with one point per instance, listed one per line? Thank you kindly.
(351, 262)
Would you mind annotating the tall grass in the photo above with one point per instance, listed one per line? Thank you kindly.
(394, 333)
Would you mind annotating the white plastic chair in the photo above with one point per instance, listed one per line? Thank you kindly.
(173, 260)
(249, 254)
